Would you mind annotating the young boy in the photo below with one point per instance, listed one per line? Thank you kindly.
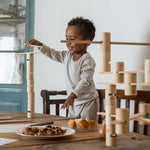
(79, 66)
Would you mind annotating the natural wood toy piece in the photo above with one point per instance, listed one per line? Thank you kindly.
(118, 77)
(30, 81)
(30, 85)
(117, 120)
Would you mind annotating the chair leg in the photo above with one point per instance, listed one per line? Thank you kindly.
(145, 130)
(46, 106)
(135, 126)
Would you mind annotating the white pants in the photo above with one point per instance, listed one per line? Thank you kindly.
(86, 110)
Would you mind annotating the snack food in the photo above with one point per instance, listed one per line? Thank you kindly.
(44, 131)
(71, 123)
(82, 124)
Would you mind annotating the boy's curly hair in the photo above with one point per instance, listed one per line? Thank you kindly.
(86, 27)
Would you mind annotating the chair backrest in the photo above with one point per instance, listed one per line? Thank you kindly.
(49, 100)
(129, 101)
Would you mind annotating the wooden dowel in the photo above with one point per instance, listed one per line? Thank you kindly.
(143, 84)
(100, 42)
(36, 46)
(143, 120)
(5, 118)
(81, 41)
(112, 115)
(136, 71)
(107, 83)
(104, 114)
(130, 43)
(135, 116)
(101, 113)
(14, 121)
(30, 53)
(105, 72)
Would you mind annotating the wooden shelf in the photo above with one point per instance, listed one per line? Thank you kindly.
(12, 21)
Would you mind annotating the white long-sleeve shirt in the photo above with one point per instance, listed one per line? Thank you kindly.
(78, 74)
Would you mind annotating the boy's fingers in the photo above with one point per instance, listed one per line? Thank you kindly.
(72, 106)
(67, 106)
(63, 106)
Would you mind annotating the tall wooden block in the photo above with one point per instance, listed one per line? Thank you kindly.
(130, 89)
(118, 77)
(144, 109)
(30, 85)
(122, 114)
(105, 55)
(147, 71)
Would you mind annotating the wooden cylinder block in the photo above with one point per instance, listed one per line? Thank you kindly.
(31, 95)
(30, 113)
(30, 85)
(105, 52)
(30, 75)
(30, 62)
(147, 71)
(118, 77)
(110, 94)
(111, 138)
(110, 99)
(122, 114)
(30, 82)
(30, 89)
(110, 110)
(110, 89)
(30, 57)
(111, 141)
(144, 109)
(147, 65)
(130, 89)
(30, 66)
(110, 129)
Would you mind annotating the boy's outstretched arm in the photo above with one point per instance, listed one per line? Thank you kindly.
(69, 101)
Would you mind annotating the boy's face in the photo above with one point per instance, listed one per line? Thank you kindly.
(73, 33)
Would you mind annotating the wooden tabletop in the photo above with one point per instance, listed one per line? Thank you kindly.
(79, 141)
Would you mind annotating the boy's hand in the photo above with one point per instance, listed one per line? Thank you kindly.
(33, 42)
(69, 101)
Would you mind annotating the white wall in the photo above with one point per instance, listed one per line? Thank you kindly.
(128, 21)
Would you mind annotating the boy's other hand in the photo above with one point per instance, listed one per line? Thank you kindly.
(69, 101)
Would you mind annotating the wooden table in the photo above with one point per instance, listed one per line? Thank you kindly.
(78, 141)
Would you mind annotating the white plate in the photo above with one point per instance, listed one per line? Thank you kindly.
(86, 130)
(68, 133)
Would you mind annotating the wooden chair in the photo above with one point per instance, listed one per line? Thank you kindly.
(142, 96)
(48, 100)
